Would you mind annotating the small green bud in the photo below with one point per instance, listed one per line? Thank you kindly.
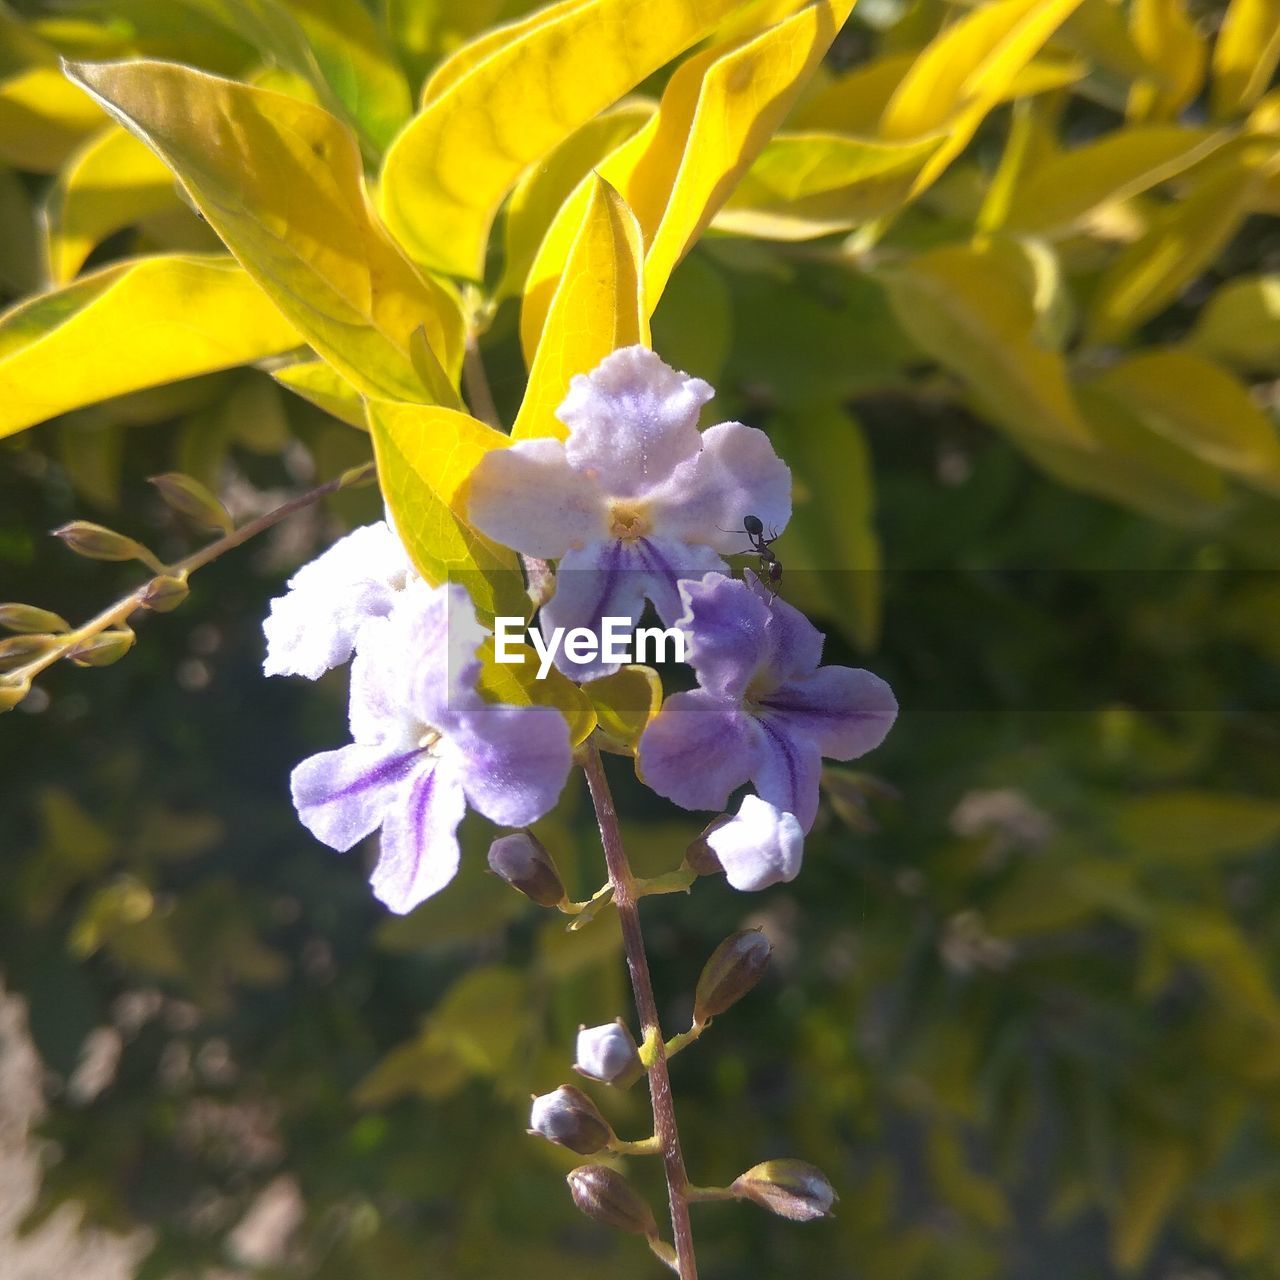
(26, 618)
(12, 692)
(97, 543)
(17, 651)
(103, 649)
(605, 1196)
(521, 860)
(570, 1119)
(165, 593)
(735, 966)
(699, 857)
(187, 496)
(790, 1188)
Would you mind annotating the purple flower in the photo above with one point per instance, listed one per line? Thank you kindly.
(313, 626)
(765, 711)
(634, 500)
(427, 745)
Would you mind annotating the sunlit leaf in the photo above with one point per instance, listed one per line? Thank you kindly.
(1245, 55)
(1156, 1173)
(517, 683)
(1186, 826)
(598, 306)
(281, 182)
(624, 704)
(43, 119)
(1240, 324)
(447, 173)
(1175, 54)
(326, 388)
(19, 242)
(136, 324)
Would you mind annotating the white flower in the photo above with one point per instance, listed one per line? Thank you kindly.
(760, 846)
(313, 627)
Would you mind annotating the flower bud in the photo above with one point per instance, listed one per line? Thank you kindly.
(524, 864)
(568, 1117)
(165, 593)
(608, 1054)
(17, 651)
(29, 620)
(761, 846)
(187, 496)
(12, 692)
(699, 857)
(790, 1188)
(97, 543)
(605, 1196)
(735, 966)
(103, 649)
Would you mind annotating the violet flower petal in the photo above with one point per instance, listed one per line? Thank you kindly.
(698, 749)
(342, 796)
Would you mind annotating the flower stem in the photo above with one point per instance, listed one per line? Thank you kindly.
(664, 1114)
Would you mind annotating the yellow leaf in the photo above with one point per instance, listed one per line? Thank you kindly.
(517, 683)
(447, 173)
(425, 456)
(1059, 194)
(1240, 324)
(717, 113)
(1098, 31)
(1245, 55)
(537, 199)
(19, 242)
(598, 306)
(326, 388)
(1181, 826)
(1156, 1173)
(1175, 54)
(624, 704)
(134, 324)
(1181, 241)
(111, 183)
(1200, 406)
(281, 182)
(43, 119)
(974, 311)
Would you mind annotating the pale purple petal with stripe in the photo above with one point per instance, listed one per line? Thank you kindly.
(726, 627)
(788, 770)
(794, 643)
(341, 796)
(667, 563)
(847, 711)
(632, 421)
(513, 761)
(760, 846)
(419, 845)
(737, 474)
(530, 498)
(698, 749)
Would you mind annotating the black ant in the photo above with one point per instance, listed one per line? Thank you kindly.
(770, 565)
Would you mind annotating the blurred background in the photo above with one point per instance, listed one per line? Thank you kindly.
(1024, 1006)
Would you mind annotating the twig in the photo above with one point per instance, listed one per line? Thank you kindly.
(664, 1115)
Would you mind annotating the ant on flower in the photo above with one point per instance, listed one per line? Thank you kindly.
(770, 565)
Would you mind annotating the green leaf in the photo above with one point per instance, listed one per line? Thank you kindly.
(1245, 55)
(1174, 51)
(624, 704)
(425, 457)
(1191, 826)
(43, 119)
(1156, 1173)
(517, 683)
(1240, 325)
(326, 388)
(281, 182)
(512, 102)
(19, 241)
(136, 324)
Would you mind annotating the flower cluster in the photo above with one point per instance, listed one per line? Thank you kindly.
(635, 505)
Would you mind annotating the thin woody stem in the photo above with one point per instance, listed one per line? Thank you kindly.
(664, 1115)
(118, 613)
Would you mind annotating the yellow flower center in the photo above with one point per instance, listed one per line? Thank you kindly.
(628, 519)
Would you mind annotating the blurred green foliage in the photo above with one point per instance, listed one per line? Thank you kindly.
(1025, 1004)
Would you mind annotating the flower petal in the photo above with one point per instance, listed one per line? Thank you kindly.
(667, 563)
(788, 769)
(737, 474)
(726, 625)
(341, 796)
(760, 846)
(698, 749)
(794, 643)
(847, 711)
(313, 626)
(632, 421)
(420, 852)
(513, 761)
(528, 497)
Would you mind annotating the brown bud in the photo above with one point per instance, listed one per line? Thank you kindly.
(29, 620)
(569, 1118)
(165, 593)
(17, 651)
(790, 1188)
(97, 543)
(735, 966)
(12, 692)
(700, 857)
(605, 1196)
(103, 649)
(187, 496)
(521, 860)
